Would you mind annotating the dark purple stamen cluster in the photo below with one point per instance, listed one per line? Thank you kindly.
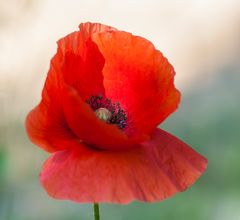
(118, 117)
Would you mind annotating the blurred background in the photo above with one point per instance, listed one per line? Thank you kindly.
(201, 40)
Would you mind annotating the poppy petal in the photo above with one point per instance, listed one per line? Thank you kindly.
(75, 42)
(74, 64)
(139, 77)
(80, 60)
(93, 131)
(83, 69)
(155, 171)
(85, 73)
(46, 127)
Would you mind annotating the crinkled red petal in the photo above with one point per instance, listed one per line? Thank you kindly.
(153, 172)
(84, 72)
(46, 127)
(82, 61)
(139, 77)
(79, 63)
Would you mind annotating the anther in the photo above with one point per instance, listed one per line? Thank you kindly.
(111, 113)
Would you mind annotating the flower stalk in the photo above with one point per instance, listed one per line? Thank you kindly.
(96, 211)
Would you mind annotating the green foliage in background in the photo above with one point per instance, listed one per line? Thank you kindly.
(2, 163)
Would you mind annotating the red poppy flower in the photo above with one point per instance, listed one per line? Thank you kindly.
(105, 93)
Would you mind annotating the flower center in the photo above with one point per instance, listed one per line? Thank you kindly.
(107, 111)
(103, 114)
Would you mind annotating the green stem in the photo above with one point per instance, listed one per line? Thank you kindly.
(96, 211)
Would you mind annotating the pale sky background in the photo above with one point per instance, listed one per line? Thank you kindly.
(197, 36)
